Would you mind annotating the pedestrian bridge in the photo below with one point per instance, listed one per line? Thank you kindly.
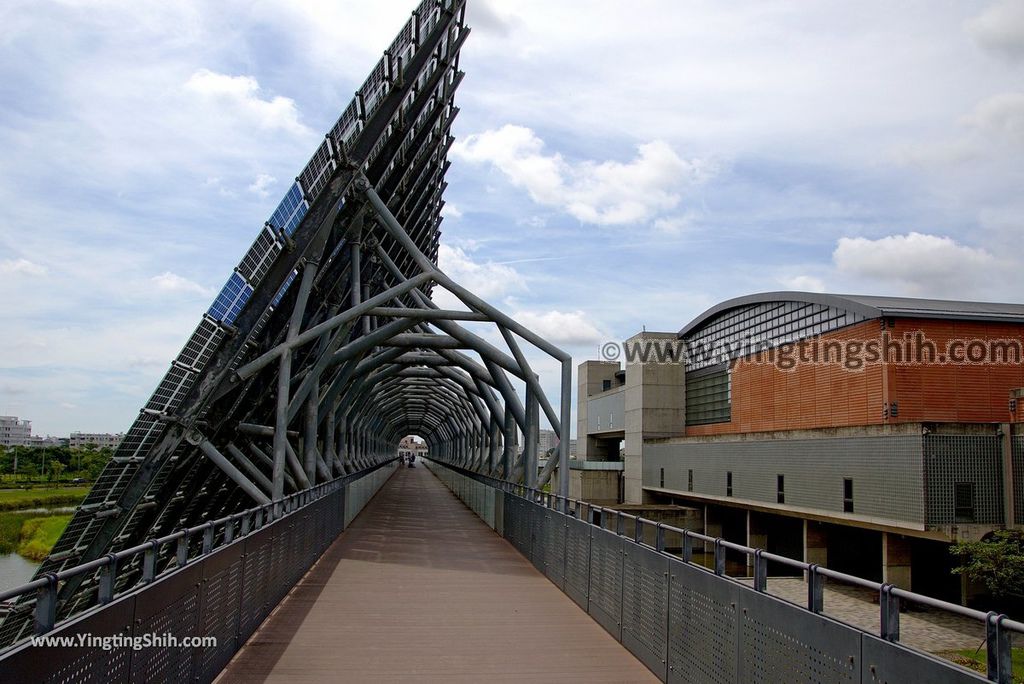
(389, 577)
(232, 512)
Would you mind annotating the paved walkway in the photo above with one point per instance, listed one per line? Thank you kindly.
(934, 631)
(420, 589)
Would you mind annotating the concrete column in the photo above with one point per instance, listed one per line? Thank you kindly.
(1009, 505)
(655, 404)
(757, 535)
(815, 543)
(590, 377)
(712, 525)
(896, 560)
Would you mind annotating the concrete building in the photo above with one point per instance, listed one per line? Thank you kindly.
(410, 446)
(15, 432)
(546, 440)
(99, 439)
(862, 433)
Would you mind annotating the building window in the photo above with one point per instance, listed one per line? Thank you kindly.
(662, 478)
(708, 395)
(780, 487)
(689, 480)
(728, 483)
(606, 385)
(963, 501)
(847, 495)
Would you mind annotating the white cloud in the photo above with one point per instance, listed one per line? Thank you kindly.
(485, 279)
(568, 327)
(240, 96)
(261, 185)
(21, 267)
(804, 283)
(450, 211)
(1000, 29)
(602, 193)
(1002, 115)
(673, 225)
(172, 282)
(919, 263)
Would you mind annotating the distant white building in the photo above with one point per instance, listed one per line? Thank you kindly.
(409, 446)
(100, 439)
(546, 439)
(15, 432)
(47, 441)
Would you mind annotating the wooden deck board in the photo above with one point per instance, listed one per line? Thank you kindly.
(420, 589)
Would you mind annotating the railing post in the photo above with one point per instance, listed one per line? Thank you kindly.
(182, 551)
(208, 539)
(46, 604)
(108, 577)
(638, 530)
(815, 589)
(760, 571)
(149, 562)
(687, 547)
(246, 523)
(620, 524)
(229, 531)
(719, 557)
(1000, 661)
(659, 537)
(889, 608)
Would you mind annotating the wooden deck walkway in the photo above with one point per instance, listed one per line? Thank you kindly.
(420, 589)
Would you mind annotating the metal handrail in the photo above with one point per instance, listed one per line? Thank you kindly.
(46, 600)
(998, 626)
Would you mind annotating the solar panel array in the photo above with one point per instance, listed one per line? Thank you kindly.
(406, 161)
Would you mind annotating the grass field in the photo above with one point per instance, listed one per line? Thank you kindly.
(976, 660)
(10, 530)
(13, 499)
(38, 535)
(30, 534)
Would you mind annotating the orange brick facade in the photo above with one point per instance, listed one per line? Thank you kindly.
(818, 395)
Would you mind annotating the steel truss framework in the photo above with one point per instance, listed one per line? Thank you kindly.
(325, 348)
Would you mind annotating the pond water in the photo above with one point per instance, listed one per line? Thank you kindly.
(15, 570)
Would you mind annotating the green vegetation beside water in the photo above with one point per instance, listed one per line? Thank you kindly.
(42, 497)
(38, 535)
(10, 530)
(30, 534)
(33, 534)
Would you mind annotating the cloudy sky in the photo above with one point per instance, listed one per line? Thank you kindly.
(619, 165)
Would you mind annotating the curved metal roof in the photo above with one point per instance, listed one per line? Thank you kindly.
(871, 306)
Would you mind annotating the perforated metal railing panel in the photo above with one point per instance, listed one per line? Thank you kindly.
(577, 561)
(540, 529)
(645, 606)
(780, 642)
(606, 580)
(689, 625)
(554, 524)
(702, 641)
(224, 594)
(884, 661)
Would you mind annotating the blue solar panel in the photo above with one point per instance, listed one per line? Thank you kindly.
(231, 300)
(290, 211)
(284, 288)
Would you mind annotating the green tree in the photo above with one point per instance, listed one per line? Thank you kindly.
(57, 468)
(997, 560)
